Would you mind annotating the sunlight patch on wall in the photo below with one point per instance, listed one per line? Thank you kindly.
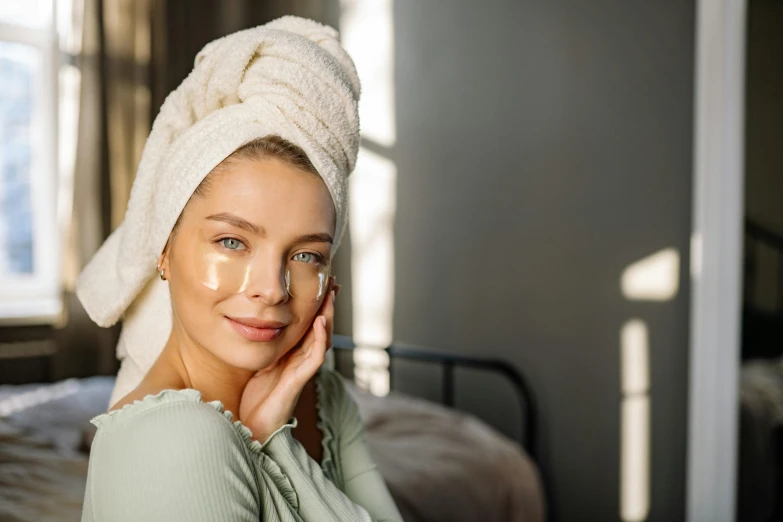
(372, 207)
(635, 422)
(367, 32)
(654, 278)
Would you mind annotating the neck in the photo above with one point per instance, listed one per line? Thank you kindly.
(195, 367)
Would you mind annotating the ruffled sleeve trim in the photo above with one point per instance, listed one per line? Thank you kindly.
(105, 420)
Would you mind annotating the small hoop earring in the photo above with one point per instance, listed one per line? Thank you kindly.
(161, 274)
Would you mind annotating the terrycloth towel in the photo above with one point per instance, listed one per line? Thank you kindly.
(290, 78)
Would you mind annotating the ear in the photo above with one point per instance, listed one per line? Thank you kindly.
(163, 258)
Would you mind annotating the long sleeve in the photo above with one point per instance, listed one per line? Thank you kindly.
(319, 499)
(366, 497)
(180, 461)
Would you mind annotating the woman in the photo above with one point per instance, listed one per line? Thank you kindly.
(239, 204)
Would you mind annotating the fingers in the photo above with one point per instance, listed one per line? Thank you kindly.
(321, 332)
(315, 353)
(323, 326)
(327, 309)
(329, 313)
(320, 328)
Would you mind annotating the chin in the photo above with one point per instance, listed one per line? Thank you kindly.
(251, 358)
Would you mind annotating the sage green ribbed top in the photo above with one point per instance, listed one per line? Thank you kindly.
(173, 457)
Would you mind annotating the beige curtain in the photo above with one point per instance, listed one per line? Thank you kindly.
(114, 121)
(127, 39)
(84, 234)
(113, 61)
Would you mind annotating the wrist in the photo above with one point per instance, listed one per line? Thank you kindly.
(265, 434)
(263, 422)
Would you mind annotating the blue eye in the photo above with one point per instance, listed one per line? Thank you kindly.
(231, 243)
(307, 257)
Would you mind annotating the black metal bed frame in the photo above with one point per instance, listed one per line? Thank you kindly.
(762, 327)
(755, 235)
(448, 361)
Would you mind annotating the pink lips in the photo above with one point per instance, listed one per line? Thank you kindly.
(255, 330)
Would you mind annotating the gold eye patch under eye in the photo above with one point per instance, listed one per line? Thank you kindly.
(226, 272)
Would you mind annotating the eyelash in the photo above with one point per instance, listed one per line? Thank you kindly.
(318, 257)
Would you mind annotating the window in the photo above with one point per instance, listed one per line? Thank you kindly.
(31, 68)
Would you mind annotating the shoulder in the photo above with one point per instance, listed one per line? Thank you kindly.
(165, 448)
(157, 458)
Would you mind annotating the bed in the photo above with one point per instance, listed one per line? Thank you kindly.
(454, 466)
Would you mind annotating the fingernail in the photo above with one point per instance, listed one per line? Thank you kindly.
(323, 320)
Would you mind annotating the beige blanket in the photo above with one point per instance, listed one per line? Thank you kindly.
(445, 465)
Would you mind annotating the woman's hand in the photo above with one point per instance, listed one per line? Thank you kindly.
(270, 396)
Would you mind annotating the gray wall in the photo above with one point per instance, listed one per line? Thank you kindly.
(542, 148)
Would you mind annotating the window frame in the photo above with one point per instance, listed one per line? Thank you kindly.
(36, 298)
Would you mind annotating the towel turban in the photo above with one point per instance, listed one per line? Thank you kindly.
(291, 78)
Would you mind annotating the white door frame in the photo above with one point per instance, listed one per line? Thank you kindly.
(716, 253)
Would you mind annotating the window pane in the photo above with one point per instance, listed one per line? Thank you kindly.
(31, 13)
(18, 65)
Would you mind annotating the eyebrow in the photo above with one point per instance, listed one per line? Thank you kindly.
(238, 222)
(258, 230)
(314, 238)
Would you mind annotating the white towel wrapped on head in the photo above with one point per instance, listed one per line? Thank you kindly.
(289, 78)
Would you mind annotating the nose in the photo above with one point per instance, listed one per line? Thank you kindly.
(266, 281)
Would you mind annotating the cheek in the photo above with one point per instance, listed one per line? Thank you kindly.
(305, 314)
(197, 284)
(193, 302)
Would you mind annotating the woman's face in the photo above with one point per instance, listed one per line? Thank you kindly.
(227, 262)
